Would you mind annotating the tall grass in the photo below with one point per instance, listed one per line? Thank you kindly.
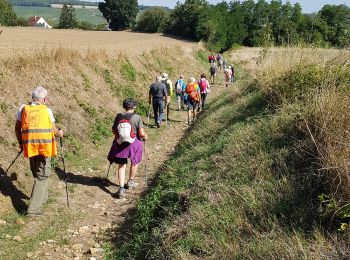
(266, 178)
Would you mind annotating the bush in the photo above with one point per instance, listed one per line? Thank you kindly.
(153, 20)
(86, 26)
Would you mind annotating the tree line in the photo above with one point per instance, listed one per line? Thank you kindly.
(250, 23)
(47, 3)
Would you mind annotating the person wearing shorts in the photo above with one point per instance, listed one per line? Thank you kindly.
(194, 95)
(120, 153)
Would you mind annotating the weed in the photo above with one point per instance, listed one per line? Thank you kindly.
(128, 71)
(108, 78)
(86, 81)
(59, 117)
(202, 56)
(72, 187)
(99, 129)
(4, 107)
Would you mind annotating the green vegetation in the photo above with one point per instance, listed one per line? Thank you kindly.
(153, 20)
(68, 18)
(128, 71)
(52, 15)
(121, 14)
(100, 128)
(7, 15)
(252, 23)
(202, 56)
(265, 178)
(47, 3)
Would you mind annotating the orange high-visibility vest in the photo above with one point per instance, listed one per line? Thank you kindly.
(38, 136)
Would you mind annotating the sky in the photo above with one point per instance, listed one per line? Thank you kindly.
(308, 6)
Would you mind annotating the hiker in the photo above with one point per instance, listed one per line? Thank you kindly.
(204, 86)
(219, 61)
(129, 132)
(228, 74)
(212, 74)
(180, 87)
(194, 98)
(212, 59)
(169, 91)
(157, 94)
(35, 131)
(233, 74)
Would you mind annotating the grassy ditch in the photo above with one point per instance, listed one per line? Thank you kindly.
(263, 178)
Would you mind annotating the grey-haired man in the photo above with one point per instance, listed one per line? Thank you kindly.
(36, 130)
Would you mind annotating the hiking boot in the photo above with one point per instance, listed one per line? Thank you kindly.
(120, 193)
(35, 214)
(130, 184)
(157, 125)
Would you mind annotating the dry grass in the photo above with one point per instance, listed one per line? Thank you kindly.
(327, 117)
(255, 174)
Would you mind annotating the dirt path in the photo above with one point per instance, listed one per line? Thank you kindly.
(91, 222)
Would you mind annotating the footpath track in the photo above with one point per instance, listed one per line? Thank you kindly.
(95, 218)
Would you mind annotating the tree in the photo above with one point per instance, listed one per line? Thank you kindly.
(337, 18)
(68, 19)
(212, 27)
(120, 14)
(7, 15)
(153, 20)
(185, 17)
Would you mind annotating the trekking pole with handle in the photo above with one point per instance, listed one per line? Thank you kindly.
(64, 168)
(8, 168)
(144, 151)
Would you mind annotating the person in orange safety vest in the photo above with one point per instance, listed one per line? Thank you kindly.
(36, 132)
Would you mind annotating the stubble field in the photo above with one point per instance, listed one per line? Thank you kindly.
(18, 40)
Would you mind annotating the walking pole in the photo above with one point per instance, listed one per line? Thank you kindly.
(64, 169)
(166, 119)
(144, 151)
(19, 153)
(149, 114)
(108, 171)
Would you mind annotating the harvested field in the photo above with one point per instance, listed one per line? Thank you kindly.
(15, 40)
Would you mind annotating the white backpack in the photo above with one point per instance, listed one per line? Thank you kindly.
(124, 129)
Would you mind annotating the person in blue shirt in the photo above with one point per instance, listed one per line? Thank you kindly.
(180, 87)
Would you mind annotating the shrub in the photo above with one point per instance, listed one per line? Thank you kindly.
(153, 20)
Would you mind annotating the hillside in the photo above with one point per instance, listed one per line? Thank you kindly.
(262, 174)
(267, 177)
(87, 80)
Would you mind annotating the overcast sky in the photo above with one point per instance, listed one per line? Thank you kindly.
(308, 6)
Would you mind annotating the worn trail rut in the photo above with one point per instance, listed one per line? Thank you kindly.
(95, 218)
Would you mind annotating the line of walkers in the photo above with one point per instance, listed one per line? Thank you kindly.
(191, 96)
(36, 131)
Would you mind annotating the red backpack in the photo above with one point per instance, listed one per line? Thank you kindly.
(203, 84)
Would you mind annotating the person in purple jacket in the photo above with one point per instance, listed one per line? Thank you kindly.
(130, 149)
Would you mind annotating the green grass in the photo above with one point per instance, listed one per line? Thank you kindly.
(245, 186)
(128, 71)
(52, 15)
